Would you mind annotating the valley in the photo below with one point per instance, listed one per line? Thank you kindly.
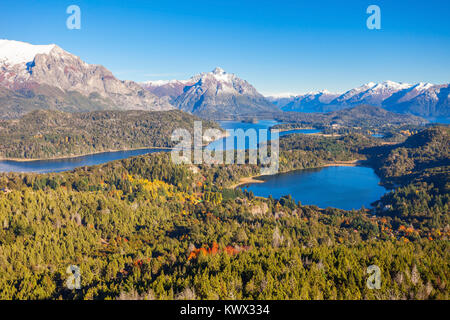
(169, 231)
(87, 179)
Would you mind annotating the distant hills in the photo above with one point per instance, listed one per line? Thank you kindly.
(422, 99)
(363, 116)
(47, 77)
(216, 94)
(356, 116)
(419, 157)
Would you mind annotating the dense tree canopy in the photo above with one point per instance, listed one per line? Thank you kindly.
(145, 228)
(51, 134)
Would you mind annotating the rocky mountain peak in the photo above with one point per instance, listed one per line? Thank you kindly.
(218, 71)
(216, 94)
(25, 67)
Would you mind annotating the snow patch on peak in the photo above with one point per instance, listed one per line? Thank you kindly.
(280, 95)
(218, 70)
(320, 92)
(368, 85)
(392, 85)
(158, 83)
(421, 86)
(16, 52)
(220, 75)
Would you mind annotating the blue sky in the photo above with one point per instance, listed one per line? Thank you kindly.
(278, 46)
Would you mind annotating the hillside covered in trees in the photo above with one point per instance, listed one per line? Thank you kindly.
(420, 167)
(360, 117)
(45, 134)
(145, 228)
(51, 134)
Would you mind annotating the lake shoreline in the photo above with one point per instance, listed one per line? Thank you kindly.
(345, 185)
(254, 179)
(163, 149)
(284, 130)
(82, 155)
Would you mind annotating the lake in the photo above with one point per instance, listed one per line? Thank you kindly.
(221, 144)
(443, 120)
(339, 187)
(58, 165)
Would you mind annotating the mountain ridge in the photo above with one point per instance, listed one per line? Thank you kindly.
(216, 94)
(65, 73)
(48, 77)
(422, 99)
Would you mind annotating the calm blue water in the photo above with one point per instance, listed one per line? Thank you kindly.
(249, 143)
(44, 166)
(339, 187)
(59, 165)
(444, 120)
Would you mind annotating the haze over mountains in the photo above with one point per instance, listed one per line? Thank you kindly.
(423, 99)
(47, 77)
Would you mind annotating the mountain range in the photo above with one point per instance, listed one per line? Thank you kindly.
(423, 99)
(215, 94)
(47, 77)
(36, 77)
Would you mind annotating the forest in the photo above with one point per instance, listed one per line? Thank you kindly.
(145, 228)
(357, 118)
(44, 134)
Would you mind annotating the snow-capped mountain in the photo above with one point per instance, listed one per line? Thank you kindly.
(407, 95)
(65, 82)
(423, 99)
(353, 92)
(215, 94)
(16, 52)
(308, 102)
(373, 93)
(281, 99)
